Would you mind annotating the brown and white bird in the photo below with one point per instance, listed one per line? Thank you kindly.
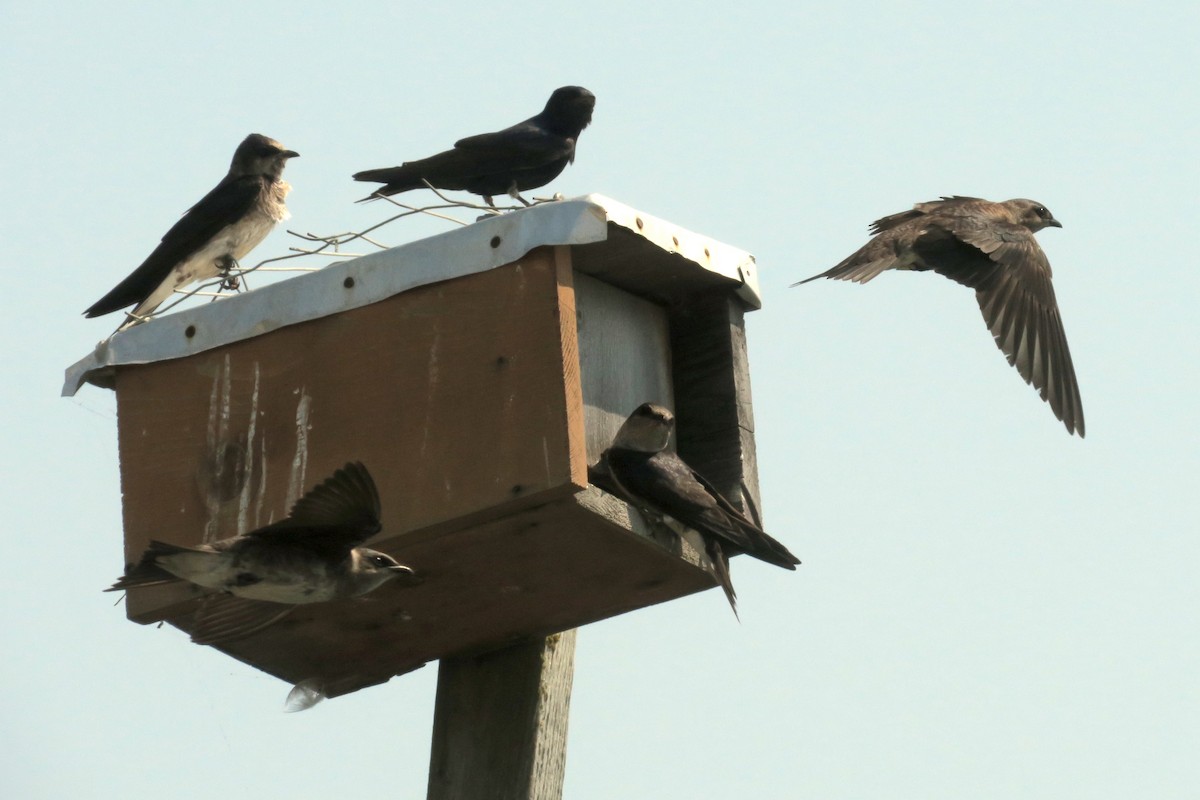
(989, 247)
(652, 477)
(311, 556)
(207, 241)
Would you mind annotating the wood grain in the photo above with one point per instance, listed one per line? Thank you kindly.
(500, 723)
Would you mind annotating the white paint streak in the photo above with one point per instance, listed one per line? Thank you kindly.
(211, 434)
(300, 460)
(226, 393)
(262, 482)
(218, 430)
(248, 453)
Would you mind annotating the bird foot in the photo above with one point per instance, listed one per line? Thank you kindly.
(229, 281)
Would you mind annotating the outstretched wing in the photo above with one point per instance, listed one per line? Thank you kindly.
(334, 517)
(221, 618)
(1016, 296)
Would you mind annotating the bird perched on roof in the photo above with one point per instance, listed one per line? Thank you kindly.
(652, 477)
(208, 240)
(525, 156)
(311, 556)
(989, 247)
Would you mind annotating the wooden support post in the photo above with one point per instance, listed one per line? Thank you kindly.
(500, 723)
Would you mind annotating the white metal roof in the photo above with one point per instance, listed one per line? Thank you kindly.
(474, 248)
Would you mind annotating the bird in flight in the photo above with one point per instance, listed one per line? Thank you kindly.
(656, 479)
(991, 248)
(526, 156)
(311, 556)
(207, 241)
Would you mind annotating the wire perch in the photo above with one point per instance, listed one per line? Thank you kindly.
(232, 280)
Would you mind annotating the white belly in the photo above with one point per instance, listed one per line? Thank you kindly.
(297, 593)
(295, 581)
(234, 240)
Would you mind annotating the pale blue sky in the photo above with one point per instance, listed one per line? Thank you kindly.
(988, 607)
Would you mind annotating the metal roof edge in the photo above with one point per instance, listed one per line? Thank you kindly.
(368, 279)
(714, 256)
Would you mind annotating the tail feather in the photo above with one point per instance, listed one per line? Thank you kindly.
(383, 175)
(852, 269)
(769, 549)
(120, 297)
(454, 170)
(395, 179)
(744, 533)
(147, 572)
(720, 564)
(809, 280)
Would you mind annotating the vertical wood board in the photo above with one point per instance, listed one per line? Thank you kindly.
(500, 723)
(714, 411)
(625, 358)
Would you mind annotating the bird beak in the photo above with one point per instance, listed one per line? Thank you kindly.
(290, 154)
(407, 575)
(1053, 223)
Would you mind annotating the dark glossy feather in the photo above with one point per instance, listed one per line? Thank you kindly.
(671, 487)
(524, 156)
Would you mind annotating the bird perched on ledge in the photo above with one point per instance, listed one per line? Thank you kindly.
(989, 247)
(208, 240)
(312, 556)
(639, 463)
(526, 156)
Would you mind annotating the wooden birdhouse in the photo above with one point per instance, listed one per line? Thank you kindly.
(476, 374)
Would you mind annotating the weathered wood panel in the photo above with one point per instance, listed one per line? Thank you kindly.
(624, 355)
(500, 724)
(461, 398)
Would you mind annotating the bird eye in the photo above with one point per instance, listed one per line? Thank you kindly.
(1041, 211)
(380, 561)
